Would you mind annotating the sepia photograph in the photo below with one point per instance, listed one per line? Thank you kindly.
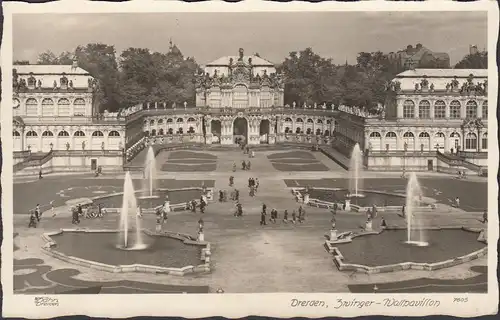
(308, 152)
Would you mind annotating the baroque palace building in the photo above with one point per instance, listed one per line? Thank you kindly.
(433, 119)
(56, 120)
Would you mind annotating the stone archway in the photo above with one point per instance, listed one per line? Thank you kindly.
(240, 130)
(264, 130)
(216, 128)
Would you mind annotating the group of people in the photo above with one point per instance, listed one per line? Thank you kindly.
(461, 175)
(253, 185)
(274, 215)
(35, 216)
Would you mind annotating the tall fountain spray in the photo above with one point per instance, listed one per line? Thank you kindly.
(413, 224)
(129, 207)
(150, 172)
(355, 171)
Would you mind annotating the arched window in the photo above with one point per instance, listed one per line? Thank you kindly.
(484, 110)
(191, 119)
(160, 132)
(31, 107)
(145, 122)
(180, 120)
(63, 107)
(181, 131)
(471, 109)
(287, 129)
(114, 134)
(409, 140)
(48, 107)
(160, 121)
(439, 139)
(97, 134)
(152, 122)
(471, 141)
(424, 141)
(484, 141)
(328, 121)
(375, 141)
(79, 134)
(299, 120)
(153, 132)
(288, 120)
(170, 131)
(310, 120)
(439, 109)
(308, 131)
(79, 107)
(326, 133)
(31, 134)
(47, 134)
(455, 107)
(391, 141)
(408, 109)
(297, 130)
(424, 109)
(191, 130)
(319, 121)
(170, 120)
(318, 132)
(63, 134)
(15, 133)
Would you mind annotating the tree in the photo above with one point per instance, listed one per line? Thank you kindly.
(157, 77)
(478, 60)
(100, 61)
(21, 62)
(309, 78)
(49, 58)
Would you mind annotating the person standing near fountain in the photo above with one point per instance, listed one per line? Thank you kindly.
(139, 212)
(457, 202)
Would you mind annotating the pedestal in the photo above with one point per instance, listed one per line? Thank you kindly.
(158, 227)
(368, 226)
(201, 237)
(333, 235)
(306, 198)
(348, 205)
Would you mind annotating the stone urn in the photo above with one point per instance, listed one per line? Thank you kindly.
(306, 198)
(369, 225)
(201, 236)
(347, 205)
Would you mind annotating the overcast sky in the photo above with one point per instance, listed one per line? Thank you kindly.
(208, 36)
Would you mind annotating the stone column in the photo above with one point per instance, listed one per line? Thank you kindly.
(447, 110)
(399, 109)
(432, 108)
(480, 110)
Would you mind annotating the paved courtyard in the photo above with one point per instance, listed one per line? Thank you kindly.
(246, 257)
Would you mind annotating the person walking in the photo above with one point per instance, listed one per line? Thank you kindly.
(285, 216)
(294, 217)
(457, 202)
(485, 216)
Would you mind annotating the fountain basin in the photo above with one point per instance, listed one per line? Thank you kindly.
(365, 199)
(387, 250)
(166, 253)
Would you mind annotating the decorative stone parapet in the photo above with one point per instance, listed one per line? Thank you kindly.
(50, 246)
(338, 258)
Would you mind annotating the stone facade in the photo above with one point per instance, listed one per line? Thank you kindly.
(55, 112)
(428, 111)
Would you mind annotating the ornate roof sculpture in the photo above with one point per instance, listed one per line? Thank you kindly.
(460, 81)
(239, 70)
(51, 78)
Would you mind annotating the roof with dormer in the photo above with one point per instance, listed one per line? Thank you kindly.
(225, 61)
